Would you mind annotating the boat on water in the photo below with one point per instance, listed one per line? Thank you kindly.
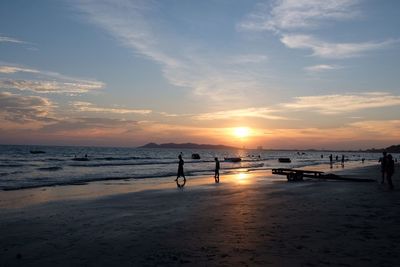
(233, 159)
(37, 152)
(195, 156)
(284, 160)
(80, 159)
(85, 158)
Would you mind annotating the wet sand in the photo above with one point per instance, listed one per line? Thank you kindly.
(246, 220)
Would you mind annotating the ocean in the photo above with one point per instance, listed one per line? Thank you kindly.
(35, 166)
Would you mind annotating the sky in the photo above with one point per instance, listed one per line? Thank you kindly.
(290, 74)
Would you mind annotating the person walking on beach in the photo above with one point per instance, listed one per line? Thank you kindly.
(180, 169)
(342, 160)
(216, 173)
(389, 170)
(383, 161)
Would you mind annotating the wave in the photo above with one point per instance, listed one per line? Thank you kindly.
(188, 173)
(51, 169)
(123, 158)
(12, 165)
(9, 173)
(136, 163)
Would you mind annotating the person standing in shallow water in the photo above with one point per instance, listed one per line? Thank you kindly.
(389, 170)
(180, 169)
(217, 167)
(383, 162)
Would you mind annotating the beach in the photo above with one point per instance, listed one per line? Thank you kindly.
(246, 220)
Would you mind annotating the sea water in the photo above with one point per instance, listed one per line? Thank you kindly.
(58, 165)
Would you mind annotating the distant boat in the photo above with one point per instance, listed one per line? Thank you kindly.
(195, 156)
(284, 160)
(233, 159)
(37, 152)
(81, 159)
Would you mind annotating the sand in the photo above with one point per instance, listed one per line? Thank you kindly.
(246, 220)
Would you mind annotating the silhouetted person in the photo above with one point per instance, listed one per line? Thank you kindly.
(383, 161)
(337, 157)
(389, 170)
(322, 156)
(362, 160)
(342, 160)
(216, 173)
(180, 169)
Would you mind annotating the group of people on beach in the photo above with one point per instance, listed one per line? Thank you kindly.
(337, 159)
(181, 173)
(387, 168)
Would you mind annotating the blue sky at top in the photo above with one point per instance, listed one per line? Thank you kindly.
(152, 70)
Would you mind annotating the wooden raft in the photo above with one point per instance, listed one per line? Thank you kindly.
(297, 175)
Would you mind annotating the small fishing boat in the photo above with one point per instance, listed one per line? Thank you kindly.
(80, 159)
(284, 160)
(195, 156)
(37, 152)
(233, 159)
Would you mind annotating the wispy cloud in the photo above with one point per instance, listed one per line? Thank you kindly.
(383, 128)
(20, 109)
(183, 61)
(264, 113)
(93, 124)
(336, 103)
(45, 81)
(321, 68)
(331, 50)
(248, 58)
(286, 15)
(6, 39)
(289, 20)
(89, 107)
(44, 86)
(13, 69)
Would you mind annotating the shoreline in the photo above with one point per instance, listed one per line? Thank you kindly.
(93, 189)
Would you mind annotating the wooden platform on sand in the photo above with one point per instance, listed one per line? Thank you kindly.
(298, 175)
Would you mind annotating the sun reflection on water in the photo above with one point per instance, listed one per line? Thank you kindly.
(242, 178)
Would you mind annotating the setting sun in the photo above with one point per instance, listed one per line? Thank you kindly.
(241, 132)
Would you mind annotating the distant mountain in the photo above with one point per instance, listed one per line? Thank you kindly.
(187, 145)
(390, 149)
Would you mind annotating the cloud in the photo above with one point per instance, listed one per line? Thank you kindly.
(184, 62)
(321, 68)
(89, 107)
(287, 17)
(336, 103)
(22, 109)
(45, 86)
(13, 69)
(284, 15)
(383, 128)
(126, 22)
(68, 125)
(331, 50)
(5, 39)
(248, 58)
(46, 81)
(264, 113)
